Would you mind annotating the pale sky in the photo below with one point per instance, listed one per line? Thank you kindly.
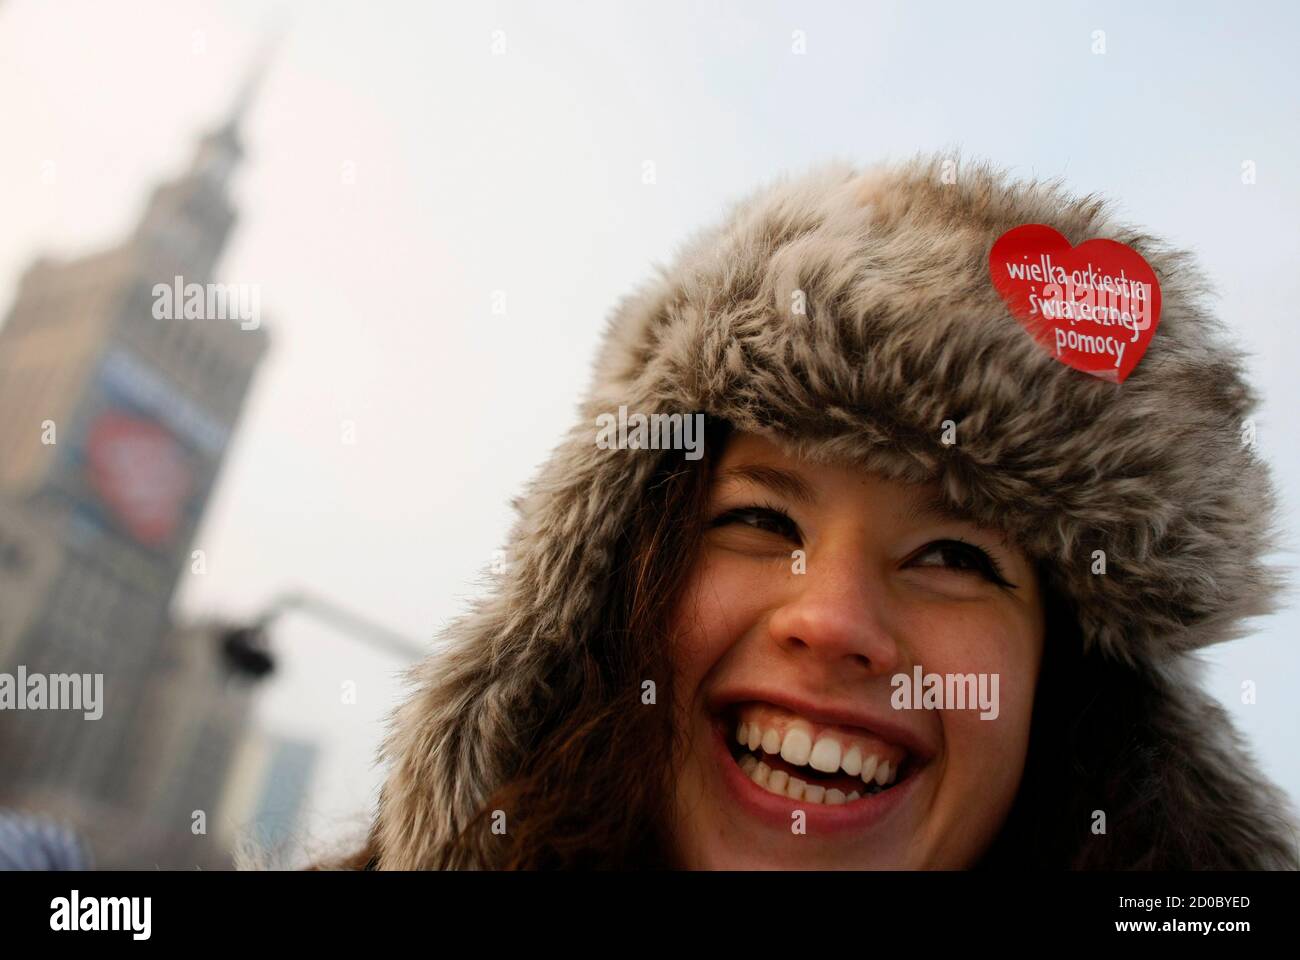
(400, 173)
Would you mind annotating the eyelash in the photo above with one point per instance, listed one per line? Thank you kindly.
(990, 568)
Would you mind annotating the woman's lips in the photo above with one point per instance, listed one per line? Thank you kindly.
(820, 818)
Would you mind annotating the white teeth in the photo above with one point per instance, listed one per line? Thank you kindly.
(852, 762)
(833, 752)
(869, 769)
(796, 747)
(825, 755)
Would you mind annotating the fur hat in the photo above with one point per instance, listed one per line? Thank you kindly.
(903, 330)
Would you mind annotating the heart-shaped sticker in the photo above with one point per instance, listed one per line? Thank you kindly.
(1094, 307)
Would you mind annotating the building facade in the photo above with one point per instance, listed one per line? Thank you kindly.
(115, 416)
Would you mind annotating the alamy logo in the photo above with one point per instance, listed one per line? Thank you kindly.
(54, 691)
(102, 913)
(209, 301)
(946, 691)
(656, 431)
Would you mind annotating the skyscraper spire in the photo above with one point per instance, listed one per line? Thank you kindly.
(187, 220)
(248, 87)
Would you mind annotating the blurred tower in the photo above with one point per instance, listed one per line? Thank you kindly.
(114, 430)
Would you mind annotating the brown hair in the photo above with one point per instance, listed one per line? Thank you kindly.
(594, 789)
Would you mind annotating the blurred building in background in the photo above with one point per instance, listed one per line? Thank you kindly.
(266, 794)
(113, 427)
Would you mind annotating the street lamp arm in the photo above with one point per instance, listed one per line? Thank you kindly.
(370, 632)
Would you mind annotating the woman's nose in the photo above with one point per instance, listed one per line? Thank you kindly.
(838, 614)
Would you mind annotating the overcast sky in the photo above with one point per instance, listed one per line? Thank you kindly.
(400, 172)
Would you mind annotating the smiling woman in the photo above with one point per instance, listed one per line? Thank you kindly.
(689, 662)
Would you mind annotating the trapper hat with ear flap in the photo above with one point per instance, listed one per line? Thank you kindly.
(899, 331)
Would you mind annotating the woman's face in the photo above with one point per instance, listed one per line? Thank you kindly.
(815, 586)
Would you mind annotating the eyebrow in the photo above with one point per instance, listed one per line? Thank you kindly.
(785, 482)
(934, 505)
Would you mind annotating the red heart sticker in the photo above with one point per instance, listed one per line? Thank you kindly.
(1094, 307)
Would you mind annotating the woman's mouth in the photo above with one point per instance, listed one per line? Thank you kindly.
(793, 757)
(776, 762)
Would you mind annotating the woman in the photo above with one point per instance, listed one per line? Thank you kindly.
(920, 596)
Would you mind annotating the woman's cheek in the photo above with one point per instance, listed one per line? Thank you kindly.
(721, 601)
(1002, 649)
(984, 754)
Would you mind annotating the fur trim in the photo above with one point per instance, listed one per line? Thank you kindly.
(903, 331)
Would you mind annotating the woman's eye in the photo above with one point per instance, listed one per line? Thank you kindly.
(963, 556)
(768, 519)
